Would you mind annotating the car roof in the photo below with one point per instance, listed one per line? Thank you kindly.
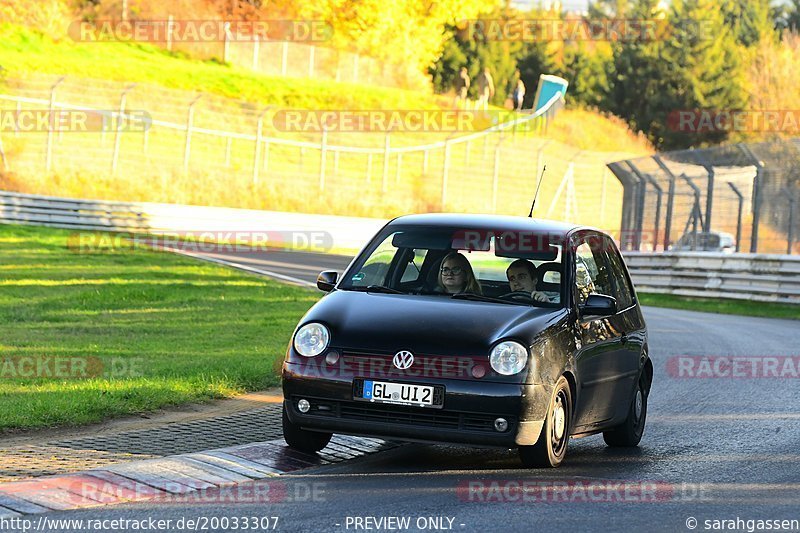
(489, 222)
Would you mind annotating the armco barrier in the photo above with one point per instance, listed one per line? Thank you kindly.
(347, 234)
(755, 277)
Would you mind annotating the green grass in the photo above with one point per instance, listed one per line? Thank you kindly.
(725, 307)
(24, 50)
(194, 331)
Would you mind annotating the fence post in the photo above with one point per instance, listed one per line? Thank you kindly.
(386, 149)
(670, 200)
(49, 154)
(257, 154)
(445, 171)
(323, 156)
(641, 195)
(757, 183)
(117, 134)
(740, 196)
(187, 149)
(255, 51)
(709, 168)
(659, 192)
(790, 234)
(284, 57)
(696, 212)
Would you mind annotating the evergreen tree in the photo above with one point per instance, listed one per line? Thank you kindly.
(587, 68)
(696, 67)
(787, 16)
(750, 20)
(477, 47)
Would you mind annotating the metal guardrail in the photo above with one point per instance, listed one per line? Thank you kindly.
(754, 277)
(344, 234)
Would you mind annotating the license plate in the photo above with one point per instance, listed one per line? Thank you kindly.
(400, 393)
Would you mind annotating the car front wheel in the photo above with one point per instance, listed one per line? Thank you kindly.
(302, 439)
(551, 448)
(630, 432)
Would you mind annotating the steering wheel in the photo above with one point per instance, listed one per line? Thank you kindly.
(517, 295)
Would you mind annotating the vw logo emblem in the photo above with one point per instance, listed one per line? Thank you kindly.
(403, 359)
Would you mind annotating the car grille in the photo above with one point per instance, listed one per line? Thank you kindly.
(406, 416)
(432, 366)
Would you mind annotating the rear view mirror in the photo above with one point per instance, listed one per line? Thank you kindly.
(599, 305)
(327, 280)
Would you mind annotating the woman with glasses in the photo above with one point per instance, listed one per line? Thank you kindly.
(456, 275)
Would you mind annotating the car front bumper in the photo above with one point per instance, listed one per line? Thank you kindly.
(467, 417)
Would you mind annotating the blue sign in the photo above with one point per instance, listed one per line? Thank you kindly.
(549, 86)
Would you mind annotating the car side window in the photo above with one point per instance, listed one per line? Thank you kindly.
(593, 272)
(623, 291)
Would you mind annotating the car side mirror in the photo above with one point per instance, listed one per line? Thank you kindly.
(327, 280)
(599, 305)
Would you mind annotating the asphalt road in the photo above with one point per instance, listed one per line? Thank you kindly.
(715, 448)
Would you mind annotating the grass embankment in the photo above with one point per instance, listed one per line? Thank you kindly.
(722, 306)
(174, 330)
(151, 169)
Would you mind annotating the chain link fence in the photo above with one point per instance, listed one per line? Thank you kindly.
(741, 198)
(203, 149)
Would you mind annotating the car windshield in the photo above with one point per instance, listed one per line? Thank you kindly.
(503, 267)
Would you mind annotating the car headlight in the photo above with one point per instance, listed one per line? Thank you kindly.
(508, 358)
(311, 339)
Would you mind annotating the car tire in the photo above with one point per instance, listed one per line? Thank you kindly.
(551, 448)
(629, 433)
(302, 439)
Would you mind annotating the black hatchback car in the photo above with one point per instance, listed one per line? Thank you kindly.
(480, 330)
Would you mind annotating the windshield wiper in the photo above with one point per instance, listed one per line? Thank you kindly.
(479, 298)
(376, 288)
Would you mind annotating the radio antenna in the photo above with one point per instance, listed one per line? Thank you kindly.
(530, 214)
